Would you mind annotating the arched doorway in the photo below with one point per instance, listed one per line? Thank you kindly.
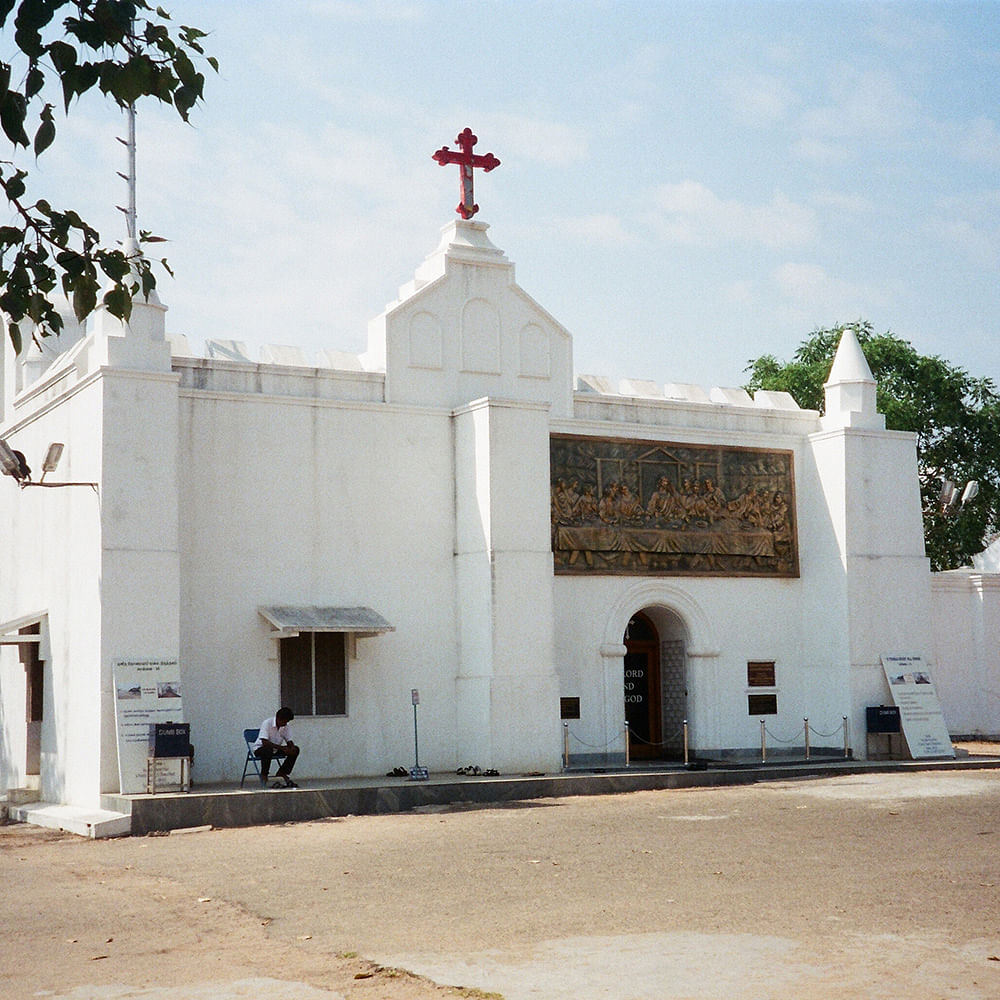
(655, 684)
(642, 687)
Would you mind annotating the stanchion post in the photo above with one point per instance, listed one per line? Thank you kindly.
(417, 773)
(805, 723)
(628, 762)
(685, 742)
(763, 742)
(847, 739)
(416, 745)
(566, 744)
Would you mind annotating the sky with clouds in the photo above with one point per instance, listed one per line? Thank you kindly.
(684, 185)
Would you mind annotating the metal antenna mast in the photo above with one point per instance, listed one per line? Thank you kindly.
(129, 178)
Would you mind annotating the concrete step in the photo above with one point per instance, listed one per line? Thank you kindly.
(92, 823)
(22, 796)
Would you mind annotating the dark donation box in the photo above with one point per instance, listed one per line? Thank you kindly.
(883, 719)
(169, 739)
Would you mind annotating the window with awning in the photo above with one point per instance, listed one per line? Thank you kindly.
(313, 652)
(292, 619)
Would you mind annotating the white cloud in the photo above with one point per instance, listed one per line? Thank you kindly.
(741, 293)
(977, 245)
(598, 229)
(637, 73)
(810, 292)
(758, 98)
(978, 141)
(691, 213)
(820, 151)
(533, 139)
(286, 235)
(900, 28)
(862, 104)
(379, 11)
(968, 226)
(845, 203)
(976, 204)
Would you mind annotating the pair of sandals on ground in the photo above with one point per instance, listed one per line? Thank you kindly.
(401, 772)
(279, 781)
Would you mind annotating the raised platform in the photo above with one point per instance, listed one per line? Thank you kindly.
(227, 806)
(230, 806)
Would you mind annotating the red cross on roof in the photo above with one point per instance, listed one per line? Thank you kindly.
(466, 159)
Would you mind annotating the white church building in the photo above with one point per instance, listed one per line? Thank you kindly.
(542, 557)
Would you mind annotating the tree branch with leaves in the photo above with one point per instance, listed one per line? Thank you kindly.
(954, 415)
(126, 49)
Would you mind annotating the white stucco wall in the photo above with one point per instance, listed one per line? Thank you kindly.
(966, 623)
(53, 568)
(300, 502)
(729, 622)
(798, 623)
(463, 330)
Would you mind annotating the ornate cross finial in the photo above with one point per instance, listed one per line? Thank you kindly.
(466, 159)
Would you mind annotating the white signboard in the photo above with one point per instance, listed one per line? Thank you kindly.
(920, 714)
(146, 691)
(168, 774)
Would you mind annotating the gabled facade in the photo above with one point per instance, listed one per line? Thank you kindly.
(446, 514)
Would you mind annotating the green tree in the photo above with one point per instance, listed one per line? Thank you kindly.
(955, 417)
(126, 49)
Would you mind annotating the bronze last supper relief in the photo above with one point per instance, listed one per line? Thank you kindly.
(646, 507)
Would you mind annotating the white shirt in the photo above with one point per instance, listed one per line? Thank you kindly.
(270, 730)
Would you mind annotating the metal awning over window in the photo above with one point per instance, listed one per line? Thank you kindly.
(25, 631)
(288, 620)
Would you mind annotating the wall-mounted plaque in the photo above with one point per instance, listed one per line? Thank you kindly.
(569, 708)
(760, 674)
(762, 704)
(664, 508)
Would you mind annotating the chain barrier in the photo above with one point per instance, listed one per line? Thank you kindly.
(679, 736)
(819, 732)
(778, 739)
(614, 741)
(671, 741)
(806, 732)
(592, 746)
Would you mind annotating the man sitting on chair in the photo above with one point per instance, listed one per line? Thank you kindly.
(274, 740)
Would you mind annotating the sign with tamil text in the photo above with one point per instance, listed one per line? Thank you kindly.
(146, 692)
(920, 714)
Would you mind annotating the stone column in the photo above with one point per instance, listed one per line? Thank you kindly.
(508, 701)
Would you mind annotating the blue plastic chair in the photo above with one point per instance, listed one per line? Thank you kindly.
(250, 737)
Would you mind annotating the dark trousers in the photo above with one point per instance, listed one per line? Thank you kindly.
(287, 756)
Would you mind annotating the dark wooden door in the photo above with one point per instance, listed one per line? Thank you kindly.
(642, 689)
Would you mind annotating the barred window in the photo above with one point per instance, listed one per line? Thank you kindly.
(314, 673)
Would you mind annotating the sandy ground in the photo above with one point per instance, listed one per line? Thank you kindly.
(860, 886)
